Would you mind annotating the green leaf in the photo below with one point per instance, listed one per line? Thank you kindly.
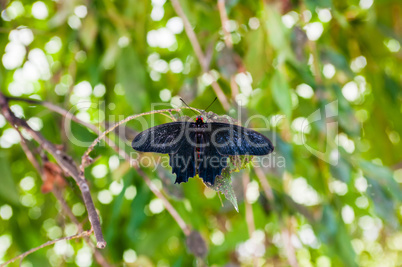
(132, 76)
(342, 171)
(383, 176)
(333, 232)
(223, 183)
(276, 29)
(257, 58)
(89, 31)
(383, 202)
(281, 93)
(8, 190)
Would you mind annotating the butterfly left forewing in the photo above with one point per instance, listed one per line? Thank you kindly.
(166, 138)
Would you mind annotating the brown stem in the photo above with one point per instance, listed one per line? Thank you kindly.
(185, 228)
(182, 224)
(64, 162)
(21, 256)
(191, 35)
(249, 210)
(264, 183)
(199, 53)
(224, 21)
(28, 152)
(58, 194)
(286, 234)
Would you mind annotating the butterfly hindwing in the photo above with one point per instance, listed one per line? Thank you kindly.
(211, 164)
(183, 161)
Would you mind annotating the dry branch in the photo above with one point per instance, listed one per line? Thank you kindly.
(26, 253)
(102, 135)
(169, 207)
(64, 162)
(202, 59)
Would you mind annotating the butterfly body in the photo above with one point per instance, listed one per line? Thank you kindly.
(201, 147)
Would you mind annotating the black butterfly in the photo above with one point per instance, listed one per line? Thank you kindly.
(201, 147)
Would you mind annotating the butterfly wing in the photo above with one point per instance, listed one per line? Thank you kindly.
(183, 161)
(176, 139)
(230, 139)
(165, 138)
(211, 164)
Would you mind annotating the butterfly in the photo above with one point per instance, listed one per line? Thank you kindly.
(201, 147)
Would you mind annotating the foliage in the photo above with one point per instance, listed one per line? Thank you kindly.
(325, 75)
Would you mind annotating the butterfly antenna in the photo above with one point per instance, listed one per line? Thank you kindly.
(210, 104)
(188, 106)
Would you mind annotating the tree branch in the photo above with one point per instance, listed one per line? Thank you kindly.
(85, 159)
(224, 21)
(64, 162)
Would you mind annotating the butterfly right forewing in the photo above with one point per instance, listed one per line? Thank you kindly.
(231, 139)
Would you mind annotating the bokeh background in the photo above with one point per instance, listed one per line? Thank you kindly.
(278, 59)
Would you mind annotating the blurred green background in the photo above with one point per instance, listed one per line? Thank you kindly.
(278, 59)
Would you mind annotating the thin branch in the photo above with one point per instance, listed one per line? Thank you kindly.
(23, 255)
(28, 152)
(185, 228)
(199, 53)
(56, 109)
(249, 210)
(176, 216)
(264, 183)
(191, 35)
(64, 162)
(221, 95)
(225, 23)
(286, 234)
(103, 135)
(58, 194)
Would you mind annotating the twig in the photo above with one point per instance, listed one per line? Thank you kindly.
(153, 188)
(191, 34)
(289, 248)
(23, 255)
(64, 162)
(102, 135)
(28, 152)
(224, 20)
(56, 109)
(264, 183)
(249, 210)
(185, 228)
(176, 216)
(199, 53)
(57, 193)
